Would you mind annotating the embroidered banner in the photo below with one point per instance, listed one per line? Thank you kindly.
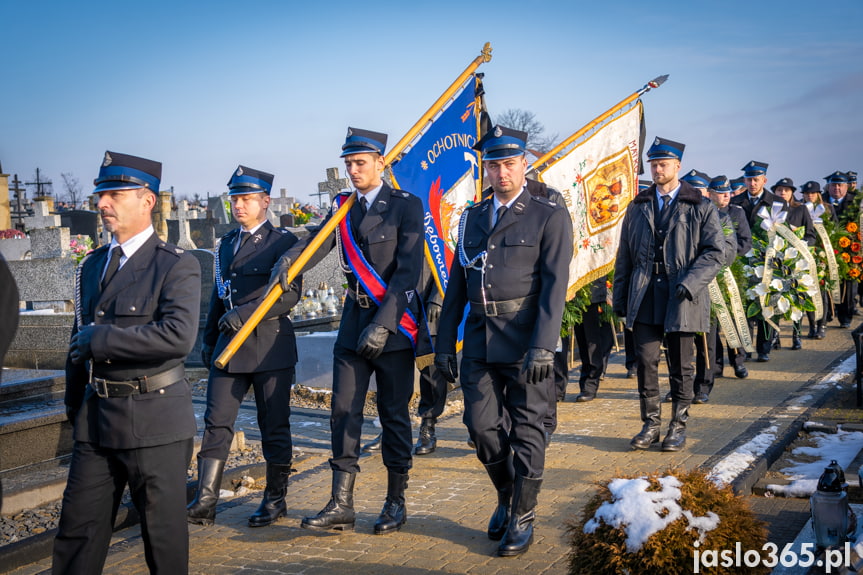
(598, 178)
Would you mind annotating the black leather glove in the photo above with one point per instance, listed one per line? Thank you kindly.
(79, 346)
(682, 293)
(372, 341)
(432, 312)
(207, 355)
(280, 274)
(538, 364)
(447, 365)
(71, 414)
(231, 322)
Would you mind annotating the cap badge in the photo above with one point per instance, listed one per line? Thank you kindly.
(239, 171)
(108, 159)
(656, 142)
(350, 132)
(498, 132)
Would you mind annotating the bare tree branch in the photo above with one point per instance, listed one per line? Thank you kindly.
(526, 121)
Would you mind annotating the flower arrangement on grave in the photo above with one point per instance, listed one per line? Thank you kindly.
(662, 523)
(79, 246)
(300, 217)
(781, 272)
(12, 235)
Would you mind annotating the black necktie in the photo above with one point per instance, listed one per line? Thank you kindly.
(364, 205)
(663, 202)
(500, 212)
(113, 265)
(244, 236)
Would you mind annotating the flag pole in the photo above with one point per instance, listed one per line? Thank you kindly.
(485, 56)
(655, 83)
(275, 291)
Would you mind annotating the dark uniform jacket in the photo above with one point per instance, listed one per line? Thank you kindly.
(798, 215)
(694, 253)
(146, 322)
(839, 209)
(390, 236)
(765, 199)
(528, 253)
(271, 346)
(741, 227)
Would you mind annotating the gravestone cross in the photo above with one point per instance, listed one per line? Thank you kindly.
(332, 186)
(185, 237)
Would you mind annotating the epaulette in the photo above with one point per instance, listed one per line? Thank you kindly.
(544, 201)
(171, 249)
(400, 194)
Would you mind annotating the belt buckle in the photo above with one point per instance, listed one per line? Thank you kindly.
(363, 300)
(490, 308)
(101, 387)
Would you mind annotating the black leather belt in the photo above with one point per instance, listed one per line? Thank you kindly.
(659, 269)
(495, 308)
(363, 300)
(143, 384)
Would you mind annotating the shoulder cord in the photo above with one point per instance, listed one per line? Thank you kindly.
(223, 287)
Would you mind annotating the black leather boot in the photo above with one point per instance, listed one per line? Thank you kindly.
(502, 477)
(651, 411)
(426, 442)
(339, 512)
(393, 515)
(202, 510)
(273, 505)
(519, 532)
(675, 440)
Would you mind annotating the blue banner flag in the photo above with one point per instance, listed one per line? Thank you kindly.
(442, 168)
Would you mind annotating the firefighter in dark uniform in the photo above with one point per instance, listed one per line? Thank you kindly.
(837, 195)
(671, 247)
(382, 236)
(512, 266)
(136, 317)
(266, 360)
(433, 386)
(558, 383)
(595, 338)
(755, 198)
(811, 192)
(720, 195)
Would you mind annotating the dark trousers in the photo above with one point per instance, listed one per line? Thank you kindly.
(764, 335)
(595, 340)
(705, 357)
(97, 477)
(504, 414)
(736, 356)
(557, 384)
(679, 350)
(844, 308)
(433, 388)
(629, 349)
(395, 383)
(225, 392)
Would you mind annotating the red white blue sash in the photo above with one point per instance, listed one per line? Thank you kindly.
(370, 280)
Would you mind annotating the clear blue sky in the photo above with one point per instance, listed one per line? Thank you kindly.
(204, 86)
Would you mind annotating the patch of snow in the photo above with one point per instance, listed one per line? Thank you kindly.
(641, 513)
(738, 460)
(842, 446)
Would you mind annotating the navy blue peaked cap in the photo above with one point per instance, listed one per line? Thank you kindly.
(696, 179)
(501, 143)
(125, 172)
(364, 142)
(720, 185)
(754, 169)
(246, 180)
(837, 177)
(663, 149)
